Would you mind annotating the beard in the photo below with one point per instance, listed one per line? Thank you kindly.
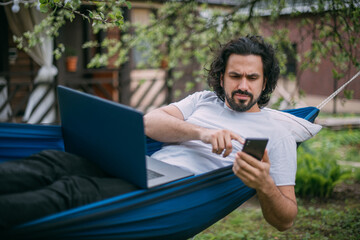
(241, 105)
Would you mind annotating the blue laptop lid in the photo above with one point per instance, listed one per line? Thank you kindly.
(107, 133)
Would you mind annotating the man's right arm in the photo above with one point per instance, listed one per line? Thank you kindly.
(167, 124)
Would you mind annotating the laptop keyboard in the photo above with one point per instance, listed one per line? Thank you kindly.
(151, 174)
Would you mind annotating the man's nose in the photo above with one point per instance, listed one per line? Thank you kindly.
(243, 84)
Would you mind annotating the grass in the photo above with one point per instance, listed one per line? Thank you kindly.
(336, 217)
(343, 145)
(338, 115)
(314, 221)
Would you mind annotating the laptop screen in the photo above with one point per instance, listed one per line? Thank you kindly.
(107, 133)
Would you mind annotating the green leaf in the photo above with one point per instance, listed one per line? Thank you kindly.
(128, 4)
(44, 8)
(349, 94)
(119, 23)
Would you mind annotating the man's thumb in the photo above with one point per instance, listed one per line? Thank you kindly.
(266, 157)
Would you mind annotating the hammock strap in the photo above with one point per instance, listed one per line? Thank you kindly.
(328, 99)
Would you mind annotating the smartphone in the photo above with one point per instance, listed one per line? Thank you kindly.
(255, 147)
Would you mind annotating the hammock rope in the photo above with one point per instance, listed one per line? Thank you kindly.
(328, 99)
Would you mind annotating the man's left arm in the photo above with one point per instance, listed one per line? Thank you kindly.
(279, 206)
(278, 203)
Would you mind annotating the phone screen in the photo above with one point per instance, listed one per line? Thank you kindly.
(255, 147)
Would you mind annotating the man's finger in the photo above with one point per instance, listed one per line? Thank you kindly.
(250, 160)
(221, 145)
(266, 157)
(214, 145)
(237, 138)
(228, 146)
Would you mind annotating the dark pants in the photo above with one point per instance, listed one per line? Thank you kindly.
(50, 182)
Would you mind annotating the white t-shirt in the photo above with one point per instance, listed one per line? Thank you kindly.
(207, 110)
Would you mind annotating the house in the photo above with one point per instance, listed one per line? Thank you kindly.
(140, 88)
(318, 84)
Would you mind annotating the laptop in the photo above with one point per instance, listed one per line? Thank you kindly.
(112, 136)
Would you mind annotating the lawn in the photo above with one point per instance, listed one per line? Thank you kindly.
(334, 217)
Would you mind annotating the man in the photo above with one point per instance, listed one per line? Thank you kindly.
(206, 128)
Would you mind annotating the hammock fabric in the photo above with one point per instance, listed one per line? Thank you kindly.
(176, 210)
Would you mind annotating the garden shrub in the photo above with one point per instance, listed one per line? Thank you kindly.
(317, 173)
(357, 174)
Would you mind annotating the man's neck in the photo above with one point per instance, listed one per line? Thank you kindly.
(254, 108)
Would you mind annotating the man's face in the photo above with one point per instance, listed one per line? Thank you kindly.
(243, 82)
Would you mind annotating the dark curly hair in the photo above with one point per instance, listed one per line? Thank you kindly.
(249, 45)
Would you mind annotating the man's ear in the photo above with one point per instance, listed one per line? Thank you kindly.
(222, 80)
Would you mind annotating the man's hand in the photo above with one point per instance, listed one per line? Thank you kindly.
(278, 203)
(220, 140)
(254, 173)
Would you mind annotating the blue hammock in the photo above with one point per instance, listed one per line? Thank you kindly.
(176, 210)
